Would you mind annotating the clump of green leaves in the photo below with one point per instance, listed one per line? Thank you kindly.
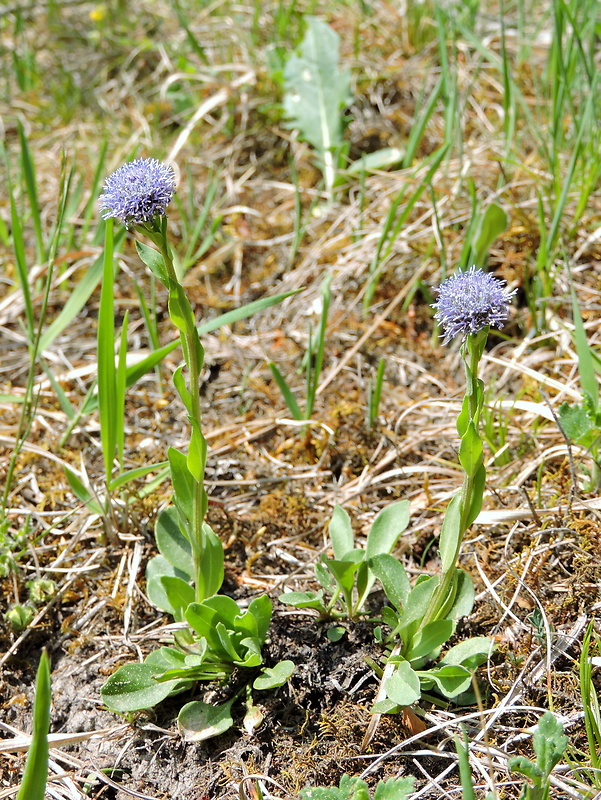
(356, 789)
(348, 578)
(549, 744)
(221, 636)
(413, 644)
(316, 92)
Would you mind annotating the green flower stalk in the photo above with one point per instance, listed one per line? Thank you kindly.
(469, 304)
(137, 194)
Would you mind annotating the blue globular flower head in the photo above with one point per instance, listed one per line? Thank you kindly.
(138, 192)
(471, 301)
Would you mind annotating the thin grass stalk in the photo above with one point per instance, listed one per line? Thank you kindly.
(30, 402)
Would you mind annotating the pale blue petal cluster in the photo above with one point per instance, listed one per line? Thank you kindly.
(471, 301)
(138, 192)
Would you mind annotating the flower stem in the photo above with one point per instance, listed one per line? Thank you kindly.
(444, 595)
(193, 352)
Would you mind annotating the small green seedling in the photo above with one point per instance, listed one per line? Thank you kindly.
(356, 789)
(549, 745)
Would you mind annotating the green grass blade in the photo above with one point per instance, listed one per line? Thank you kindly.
(78, 297)
(289, 398)
(326, 296)
(107, 373)
(137, 371)
(91, 206)
(20, 258)
(419, 126)
(567, 179)
(33, 785)
(586, 369)
(121, 388)
(65, 403)
(28, 170)
(590, 702)
(191, 256)
(465, 772)
(134, 474)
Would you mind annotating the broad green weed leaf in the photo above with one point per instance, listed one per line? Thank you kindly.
(344, 575)
(450, 679)
(549, 742)
(316, 92)
(576, 422)
(261, 609)
(394, 789)
(304, 600)
(341, 532)
(489, 227)
(228, 643)
(464, 596)
(525, 767)
(198, 721)
(390, 617)
(463, 420)
(385, 707)
(470, 450)
(197, 451)
(165, 658)
(403, 686)
(180, 310)
(391, 574)
(347, 790)
(180, 384)
(386, 528)
(430, 638)
(153, 260)
(179, 594)
(335, 633)
(272, 677)
(210, 577)
(183, 487)
(171, 543)
(134, 687)
(450, 533)
(157, 568)
(246, 623)
(477, 494)
(470, 653)
(382, 537)
(416, 606)
(324, 577)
